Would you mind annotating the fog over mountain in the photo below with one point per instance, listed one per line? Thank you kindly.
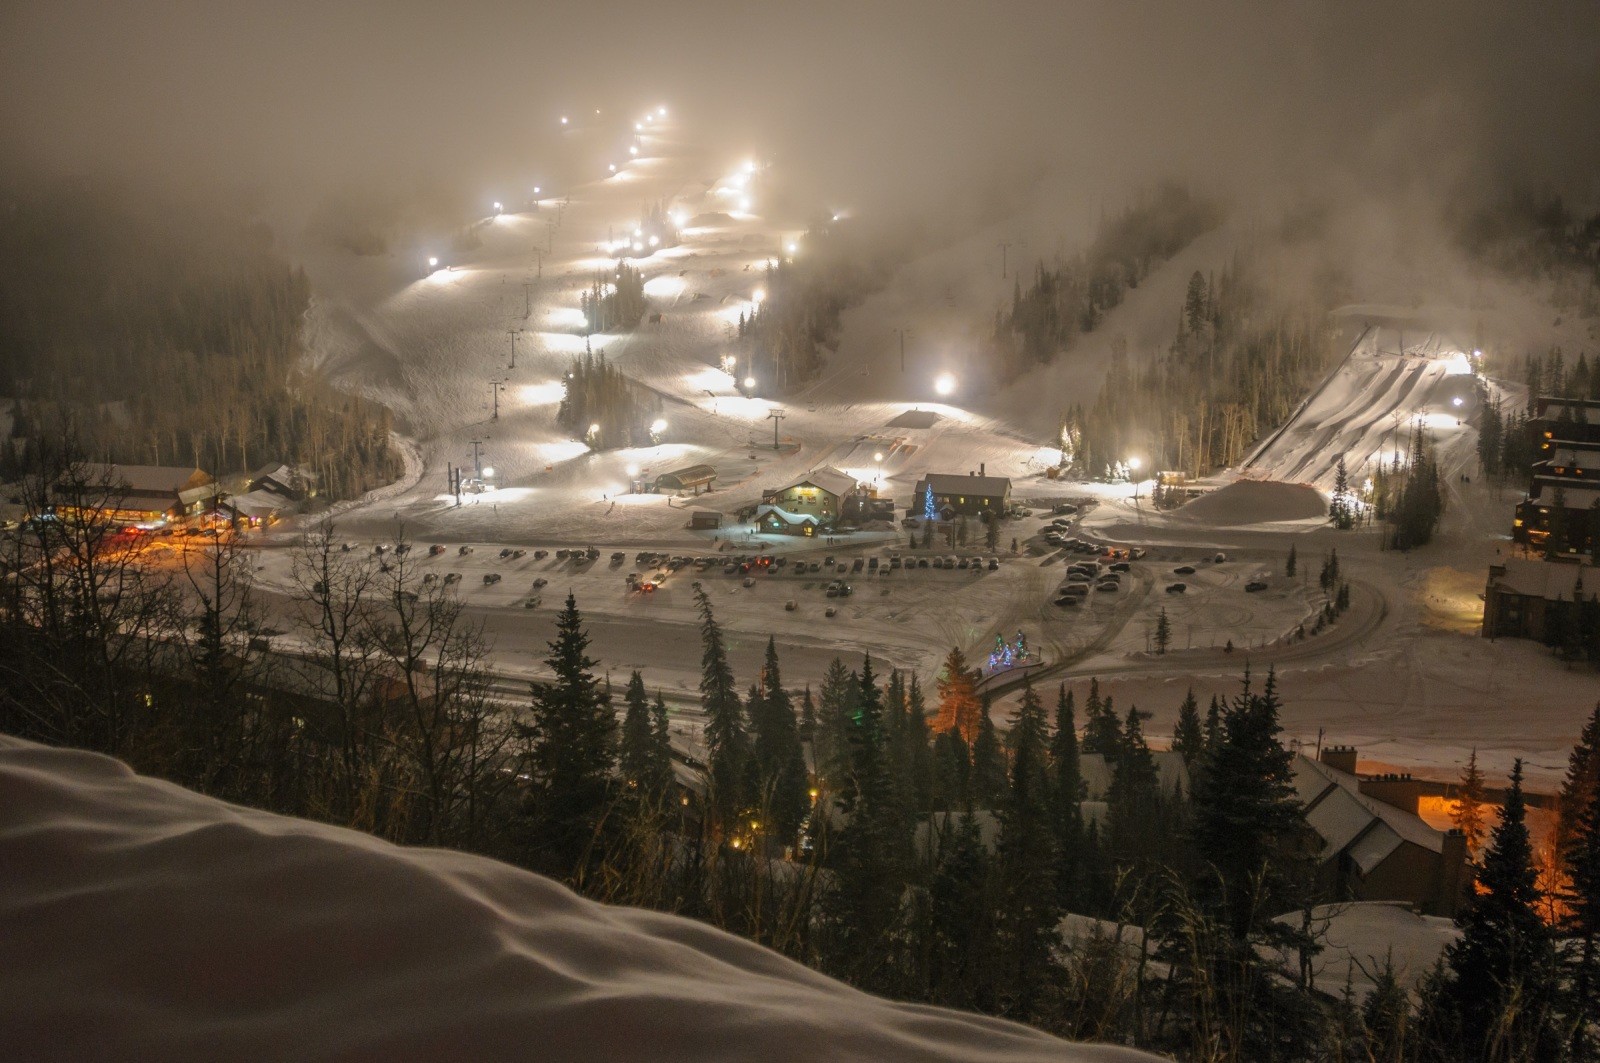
(901, 104)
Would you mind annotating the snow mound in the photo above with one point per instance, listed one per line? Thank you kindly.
(139, 920)
(1255, 502)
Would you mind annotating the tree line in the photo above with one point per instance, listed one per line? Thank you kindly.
(167, 334)
(1072, 296)
(1238, 365)
(604, 407)
(886, 833)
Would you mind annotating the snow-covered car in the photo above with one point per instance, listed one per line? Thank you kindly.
(452, 577)
(1177, 588)
(491, 578)
(540, 582)
(1183, 570)
(464, 551)
(1253, 586)
(436, 549)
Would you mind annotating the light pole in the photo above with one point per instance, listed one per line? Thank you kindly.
(1133, 469)
(495, 386)
(901, 332)
(1005, 246)
(775, 415)
(513, 333)
(477, 458)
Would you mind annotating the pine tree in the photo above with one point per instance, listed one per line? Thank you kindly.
(1102, 731)
(1132, 796)
(1163, 631)
(570, 740)
(727, 743)
(1467, 816)
(778, 756)
(1248, 822)
(1290, 565)
(830, 747)
(808, 717)
(1066, 793)
(919, 784)
(988, 761)
(959, 704)
(637, 751)
(1024, 848)
(1499, 991)
(1188, 737)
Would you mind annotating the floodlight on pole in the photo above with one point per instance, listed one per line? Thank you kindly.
(749, 382)
(944, 384)
(488, 472)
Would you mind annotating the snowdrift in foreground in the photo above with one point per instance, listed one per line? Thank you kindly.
(141, 921)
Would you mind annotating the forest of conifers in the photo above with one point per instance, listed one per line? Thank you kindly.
(171, 342)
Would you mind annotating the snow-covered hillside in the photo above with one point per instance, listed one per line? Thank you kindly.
(140, 921)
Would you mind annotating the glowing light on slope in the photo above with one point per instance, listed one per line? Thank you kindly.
(566, 317)
(664, 287)
(545, 394)
(559, 451)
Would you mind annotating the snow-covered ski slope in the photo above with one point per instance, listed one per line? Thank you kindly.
(431, 346)
(1366, 408)
(141, 921)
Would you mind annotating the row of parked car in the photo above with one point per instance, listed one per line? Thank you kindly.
(1082, 575)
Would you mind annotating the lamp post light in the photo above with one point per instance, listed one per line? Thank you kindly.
(944, 384)
(1133, 471)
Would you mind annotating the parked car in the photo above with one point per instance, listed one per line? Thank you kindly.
(452, 577)
(1184, 570)
(436, 549)
(1064, 507)
(464, 551)
(430, 577)
(789, 605)
(749, 581)
(1069, 600)
(563, 553)
(490, 578)
(1107, 585)
(618, 557)
(1177, 588)
(1220, 557)
(506, 552)
(833, 589)
(858, 564)
(830, 611)
(1253, 586)
(540, 582)
(540, 555)
(872, 564)
(1121, 566)
(922, 562)
(1137, 552)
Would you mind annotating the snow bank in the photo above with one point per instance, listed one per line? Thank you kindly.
(141, 921)
(1255, 502)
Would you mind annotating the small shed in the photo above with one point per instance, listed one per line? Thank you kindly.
(689, 478)
(704, 519)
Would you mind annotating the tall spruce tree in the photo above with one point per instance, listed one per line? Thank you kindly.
(571, 740)
(1066, 794)
(1498, 997)
(1467, 816)
(831, 745)
(1248, 821)
(644, 763)
(778, 756)
(1025, 853)
(727, 742)
(988, 761)
(1188, 735)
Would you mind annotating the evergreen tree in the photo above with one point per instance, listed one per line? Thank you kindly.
(1066, 793)
(570, 740)
(1581, 857)
(959, 969)
(778, 756)
(727, 743)
(1029, 911)
(1248, 822)
(1293, 560)
(1131, 798)
(642, 754)
(919, 784)
(1498, 995)
(1163, 631)
(831, 746)
(1188, 737)
(808, 717)
(1102, 732)
(988, 761)
(1341, 509)
(959, 704)
(1467, 816)
(952, 771)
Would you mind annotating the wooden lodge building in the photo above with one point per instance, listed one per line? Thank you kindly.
(815, 501)
(141, 494)
(954, 496)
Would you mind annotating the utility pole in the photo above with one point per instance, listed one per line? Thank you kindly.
(775, 415)
(1004, 247)
(513, 333)
(901, 332)
(527, 305)
(495, 386)
(477, 457)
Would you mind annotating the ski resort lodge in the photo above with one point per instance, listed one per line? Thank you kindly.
(815, 501)
(954, 495)
(1530, 599)
(1564, 481)
(146, 494)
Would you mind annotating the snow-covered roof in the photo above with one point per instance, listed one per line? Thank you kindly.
(767, 509)
(827, 478)
(1578, 411)
(1363, 828)
(1571, 455)
(1543, 579)
(148, 479)
(254, 504)
(949, 483)
(1361, 938)
(1575, 494)
(220, 932)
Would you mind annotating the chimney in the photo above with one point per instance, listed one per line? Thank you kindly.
(1340, 758)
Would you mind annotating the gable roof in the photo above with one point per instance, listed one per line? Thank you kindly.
(1543, 579)
(949, 483)
(148, 479)
(827, 478)
(1362, 828)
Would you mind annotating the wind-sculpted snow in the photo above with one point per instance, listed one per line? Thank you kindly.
(140, 921)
